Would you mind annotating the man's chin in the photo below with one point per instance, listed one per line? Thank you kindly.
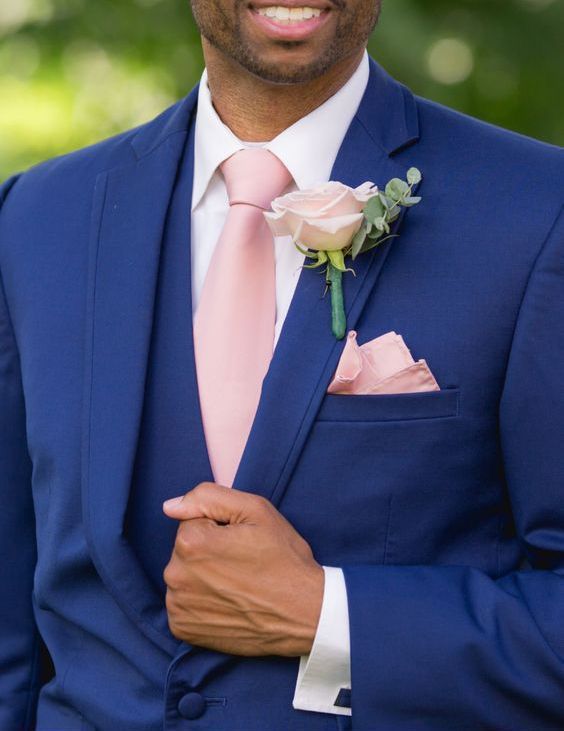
(279, 63)
(284, 70)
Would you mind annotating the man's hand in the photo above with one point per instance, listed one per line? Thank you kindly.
(240, 580)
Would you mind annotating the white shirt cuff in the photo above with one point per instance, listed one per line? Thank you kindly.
(327, 669)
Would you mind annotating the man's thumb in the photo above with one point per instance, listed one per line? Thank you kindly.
(208, 500)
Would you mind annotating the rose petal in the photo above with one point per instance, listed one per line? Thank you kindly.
(345, 203)
(313, 200)
(284, 223)
(278, 224)
(365, 191)
(329, 234)
(302, 205)
(306, 207)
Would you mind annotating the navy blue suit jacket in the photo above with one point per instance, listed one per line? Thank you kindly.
(445, 509)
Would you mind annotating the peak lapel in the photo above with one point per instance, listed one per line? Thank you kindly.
(129, 212)
(307, 353)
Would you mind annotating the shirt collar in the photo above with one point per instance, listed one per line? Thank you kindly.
(308, 148)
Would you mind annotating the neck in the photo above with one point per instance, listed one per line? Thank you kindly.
(275, 107)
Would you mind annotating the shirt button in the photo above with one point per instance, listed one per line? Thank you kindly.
(192, 706)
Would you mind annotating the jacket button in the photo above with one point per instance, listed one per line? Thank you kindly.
(192, 706)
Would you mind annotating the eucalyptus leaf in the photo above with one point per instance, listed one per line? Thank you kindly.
(381, 224)
(386, 202)
(413, 176)
(393, 213)
(411, 201)
(396, 189)
(368, 245)
(374, 208)
(358, 241)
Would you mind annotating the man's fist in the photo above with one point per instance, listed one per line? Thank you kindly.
(240, 580)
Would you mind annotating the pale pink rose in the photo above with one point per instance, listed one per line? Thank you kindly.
(324, 218)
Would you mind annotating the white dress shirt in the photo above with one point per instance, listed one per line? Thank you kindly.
(308, 149)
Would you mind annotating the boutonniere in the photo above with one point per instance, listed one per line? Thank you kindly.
(332, 221)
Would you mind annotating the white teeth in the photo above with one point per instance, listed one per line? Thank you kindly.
(289, 15)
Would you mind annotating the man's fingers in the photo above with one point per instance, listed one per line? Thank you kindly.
(222, 504)
(192, 533)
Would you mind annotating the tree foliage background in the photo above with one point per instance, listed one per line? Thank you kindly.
(75, 71)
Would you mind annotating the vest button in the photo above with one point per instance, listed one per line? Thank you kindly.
(192, 706)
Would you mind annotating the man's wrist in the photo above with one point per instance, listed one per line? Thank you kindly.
(312, 591)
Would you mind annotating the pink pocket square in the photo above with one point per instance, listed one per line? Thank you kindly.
(382, 366)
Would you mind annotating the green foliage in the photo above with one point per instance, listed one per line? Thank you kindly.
(382, 210)
(375, 208)
(413, 176)
(73, 71)
(337, 259)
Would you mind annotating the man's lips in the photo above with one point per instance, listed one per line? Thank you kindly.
(319, 4)
(286, 28)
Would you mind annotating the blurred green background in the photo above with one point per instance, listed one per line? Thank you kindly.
(75, 71)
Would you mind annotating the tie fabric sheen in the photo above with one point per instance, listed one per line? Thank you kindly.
(235, 318)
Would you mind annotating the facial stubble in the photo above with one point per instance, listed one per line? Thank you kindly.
(225, 33)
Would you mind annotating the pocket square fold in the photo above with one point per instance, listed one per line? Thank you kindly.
(382, 366)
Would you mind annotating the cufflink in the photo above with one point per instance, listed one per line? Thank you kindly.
(343, 699)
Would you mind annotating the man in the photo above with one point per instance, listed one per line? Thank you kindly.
(438, 516)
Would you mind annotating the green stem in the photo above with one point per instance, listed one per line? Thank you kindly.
(338, 319)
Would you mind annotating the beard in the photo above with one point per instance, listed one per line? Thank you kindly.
(224, 30)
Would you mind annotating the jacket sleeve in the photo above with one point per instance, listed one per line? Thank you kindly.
(448, 647)
(19, 641)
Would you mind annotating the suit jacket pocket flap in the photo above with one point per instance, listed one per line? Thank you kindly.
(390, 407)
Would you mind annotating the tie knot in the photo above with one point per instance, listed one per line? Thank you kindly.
(254, 176)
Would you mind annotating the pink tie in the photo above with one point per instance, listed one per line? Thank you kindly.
(235, 318)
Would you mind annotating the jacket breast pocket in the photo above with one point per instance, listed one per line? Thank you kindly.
(390, 407)
(364, 451)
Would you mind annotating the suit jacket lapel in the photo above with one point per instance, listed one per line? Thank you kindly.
(129, 213)
(307, 353)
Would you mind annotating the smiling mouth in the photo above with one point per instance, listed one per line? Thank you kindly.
(291, 22)
(290, 13)
(287, 15)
